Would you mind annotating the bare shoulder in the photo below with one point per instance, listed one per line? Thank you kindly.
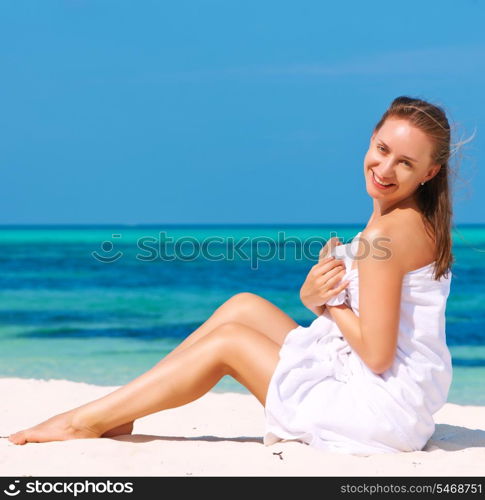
(404, 240)
(384, 242)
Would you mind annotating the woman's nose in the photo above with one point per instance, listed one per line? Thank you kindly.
(386, 168)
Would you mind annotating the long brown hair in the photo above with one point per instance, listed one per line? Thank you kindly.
(434, 197)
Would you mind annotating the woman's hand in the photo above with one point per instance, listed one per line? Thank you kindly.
(328, 247)
(321, 280)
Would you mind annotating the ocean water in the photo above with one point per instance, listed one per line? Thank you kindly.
(103, 304)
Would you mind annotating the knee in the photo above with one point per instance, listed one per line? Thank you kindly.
(243, 301)
(226, 329)
(225, 335)
(223, 344)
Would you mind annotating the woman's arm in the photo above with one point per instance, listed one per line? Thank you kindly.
(318, 310)
(349, 324)
(373, 334)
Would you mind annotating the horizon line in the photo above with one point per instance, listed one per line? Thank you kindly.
(202, 224)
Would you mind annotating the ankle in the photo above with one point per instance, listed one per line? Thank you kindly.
(82, 420)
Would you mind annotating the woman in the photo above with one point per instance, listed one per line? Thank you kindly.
(356, 383)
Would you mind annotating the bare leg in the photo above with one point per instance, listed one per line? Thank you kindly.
(120, 430)
(246, 308)
(231, 349)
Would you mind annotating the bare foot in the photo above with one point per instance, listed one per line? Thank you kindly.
(119, 431)
(59, 428)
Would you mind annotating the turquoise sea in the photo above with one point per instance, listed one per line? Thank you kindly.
(102, 304)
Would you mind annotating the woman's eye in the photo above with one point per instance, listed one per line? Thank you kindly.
(381, 148)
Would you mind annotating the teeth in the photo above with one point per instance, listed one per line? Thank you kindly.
(379, 182)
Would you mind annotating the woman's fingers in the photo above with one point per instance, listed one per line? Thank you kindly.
(331, 243)
(336, 277)
(337, 290)
(327, 277)
(343, 285)
(327, 263)
(327, 267)
(330, 279)
(324, 261)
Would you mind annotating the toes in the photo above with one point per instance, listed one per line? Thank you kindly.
(18, 438)
(59, 429)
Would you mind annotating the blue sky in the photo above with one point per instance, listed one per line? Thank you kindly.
(223, 111)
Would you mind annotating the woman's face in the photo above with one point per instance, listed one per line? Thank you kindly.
(399, 154)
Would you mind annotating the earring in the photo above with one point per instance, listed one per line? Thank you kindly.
(422, 184)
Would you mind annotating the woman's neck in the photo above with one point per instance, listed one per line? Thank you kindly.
(386, 210)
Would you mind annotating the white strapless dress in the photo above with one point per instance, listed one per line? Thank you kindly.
(323, 394)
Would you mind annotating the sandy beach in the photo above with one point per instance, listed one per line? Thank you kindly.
(217, 435)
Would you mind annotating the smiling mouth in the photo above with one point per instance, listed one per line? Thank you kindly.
(379, 183)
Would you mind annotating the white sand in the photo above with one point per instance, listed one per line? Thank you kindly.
(220, 434)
